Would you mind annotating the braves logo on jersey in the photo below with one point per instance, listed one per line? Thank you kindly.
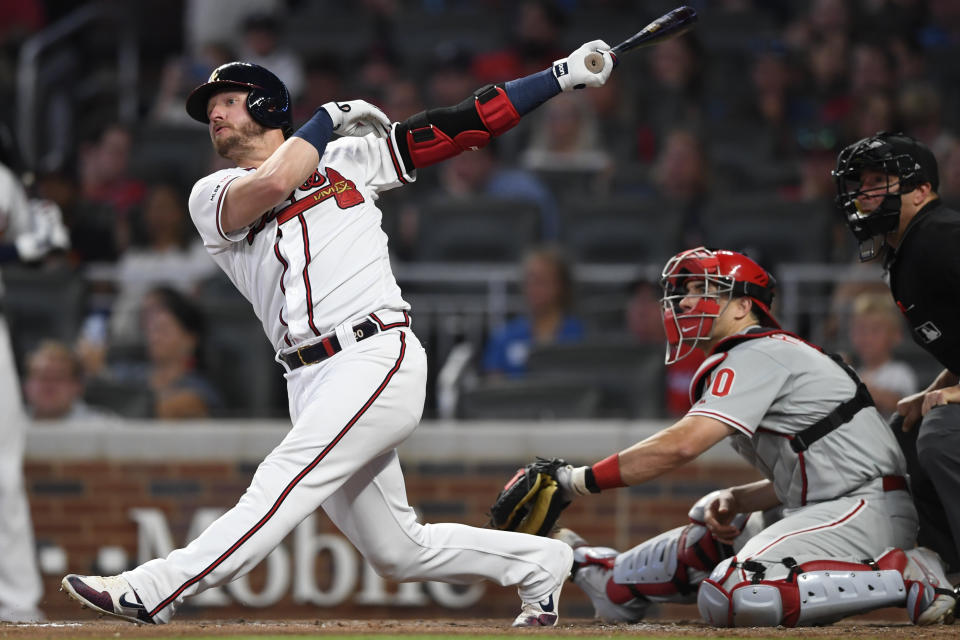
(342, 190)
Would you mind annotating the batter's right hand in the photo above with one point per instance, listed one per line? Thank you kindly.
(911, 407)
(719, 515)
(357, 118)
(572, 72)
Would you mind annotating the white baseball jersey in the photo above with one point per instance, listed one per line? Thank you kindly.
(311, 265)
(771, 388)
(319, 258)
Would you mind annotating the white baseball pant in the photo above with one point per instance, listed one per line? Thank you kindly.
(349, 414)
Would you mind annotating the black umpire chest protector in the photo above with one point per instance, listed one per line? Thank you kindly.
(841, 414)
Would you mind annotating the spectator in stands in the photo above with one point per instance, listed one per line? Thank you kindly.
(950, 176)
(482, 173)
(105, 179)
(401, 99)
(872, 112)
(875, 331)
(449, 77)
(771, 107)
(168, 252)
(872, 68)
(565, 138)
(173, 330)
(826, 91)
(681, 179)
(535, 43)
(547, 318)
(921, 109)
(262, 45)
(672, 94)
(323, 83)
(178, 78)
(54, 386)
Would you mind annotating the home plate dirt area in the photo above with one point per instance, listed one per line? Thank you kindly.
(105, 628)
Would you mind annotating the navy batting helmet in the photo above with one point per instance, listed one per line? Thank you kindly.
(268, 101)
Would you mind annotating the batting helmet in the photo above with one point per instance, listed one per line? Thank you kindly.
(724, 274)
(906, 162)
(268, 101)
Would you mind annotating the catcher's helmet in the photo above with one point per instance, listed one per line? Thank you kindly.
(906, 162)
(726, 274)
(268, 101)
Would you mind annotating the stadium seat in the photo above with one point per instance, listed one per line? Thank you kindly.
(770, 229)
(41, 304)
(620, 230)
(528, 399)
(126, 399)
(481, 229)
(628, 376)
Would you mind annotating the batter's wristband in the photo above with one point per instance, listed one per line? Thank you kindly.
(605, 474)
(317, 130)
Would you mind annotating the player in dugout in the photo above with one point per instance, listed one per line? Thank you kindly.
(295, 227)
(829, 533)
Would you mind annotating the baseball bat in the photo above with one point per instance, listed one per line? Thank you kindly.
(669, 25)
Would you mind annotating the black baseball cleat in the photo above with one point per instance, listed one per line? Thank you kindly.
(111, 595)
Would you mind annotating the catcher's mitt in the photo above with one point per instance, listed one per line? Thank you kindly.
(532, 500)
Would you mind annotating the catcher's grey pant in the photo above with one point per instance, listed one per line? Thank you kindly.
(938, 466)
(863, 524)
(349, 413)
(20, 585)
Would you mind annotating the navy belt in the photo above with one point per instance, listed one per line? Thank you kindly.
(326, 347)
(330, 345)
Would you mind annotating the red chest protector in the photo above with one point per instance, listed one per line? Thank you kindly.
(841, 414)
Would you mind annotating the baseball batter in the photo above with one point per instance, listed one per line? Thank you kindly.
(296, 228)
(837, 515)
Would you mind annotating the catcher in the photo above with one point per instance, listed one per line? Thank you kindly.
(828, 534)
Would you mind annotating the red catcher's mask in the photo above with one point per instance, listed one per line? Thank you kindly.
(724, 275)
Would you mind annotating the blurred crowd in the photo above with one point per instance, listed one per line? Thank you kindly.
(753, 104)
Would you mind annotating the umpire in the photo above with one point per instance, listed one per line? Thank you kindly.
(887, 192)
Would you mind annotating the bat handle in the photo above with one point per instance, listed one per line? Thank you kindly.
(594, 61)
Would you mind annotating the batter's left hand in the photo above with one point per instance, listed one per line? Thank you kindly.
(572, 73)
(939, 397)
(357, 118)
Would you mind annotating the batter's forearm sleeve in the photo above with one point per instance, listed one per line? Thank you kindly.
(437, 134)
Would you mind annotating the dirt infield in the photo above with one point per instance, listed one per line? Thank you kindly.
(574, 627)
